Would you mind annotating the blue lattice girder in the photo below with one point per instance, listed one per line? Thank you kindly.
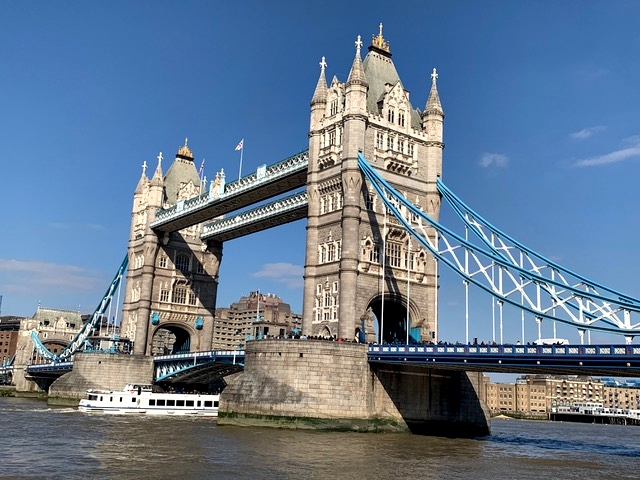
(524, 278)
(78, 341)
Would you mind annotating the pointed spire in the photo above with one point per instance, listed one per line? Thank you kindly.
(356, 75)
(433, 102)
(143, 178)
(184, 151)
(379, 44)
(157, 175)
(320, 94)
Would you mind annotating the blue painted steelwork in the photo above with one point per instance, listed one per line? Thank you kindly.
(279, 208)
(58, 368)
(78, 341)
(295, 163)
(541, 288)
(167, 366)
(619, 360)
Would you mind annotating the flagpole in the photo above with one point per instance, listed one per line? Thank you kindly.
(241, 151)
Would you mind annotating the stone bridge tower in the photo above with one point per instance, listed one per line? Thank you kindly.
(172, 280)
(348, 231)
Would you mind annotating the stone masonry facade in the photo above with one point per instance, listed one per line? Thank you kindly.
(348, 233)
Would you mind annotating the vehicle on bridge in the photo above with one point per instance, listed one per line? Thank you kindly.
(141, 399)
(551, 341)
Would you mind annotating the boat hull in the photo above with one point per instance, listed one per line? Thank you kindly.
(141, 400)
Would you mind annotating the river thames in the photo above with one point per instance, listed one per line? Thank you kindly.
(42, 442)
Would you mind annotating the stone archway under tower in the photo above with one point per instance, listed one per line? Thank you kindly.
(390, 320)
(170, 339)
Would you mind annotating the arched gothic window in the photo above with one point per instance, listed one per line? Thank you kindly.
(182, 262)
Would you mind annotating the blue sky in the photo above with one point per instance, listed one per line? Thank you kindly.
(542, 138)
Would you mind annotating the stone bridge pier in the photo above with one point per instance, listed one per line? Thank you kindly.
(319, 384)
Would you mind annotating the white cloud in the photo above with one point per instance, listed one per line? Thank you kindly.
(287, 274)
(493, 159)
(632, 151)
(587, 132)
(28, 276)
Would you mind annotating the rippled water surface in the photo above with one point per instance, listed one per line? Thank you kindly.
(37, 441)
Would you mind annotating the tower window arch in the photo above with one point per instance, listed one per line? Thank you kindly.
(180, 294)
(334, 106)
(182, 262)
(394, 254)
(368, 201)
(391, 115)
(331, 252)
(401, 118)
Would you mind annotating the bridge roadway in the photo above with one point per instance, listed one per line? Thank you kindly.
(593, 360)
(265, 183)
(279, 212)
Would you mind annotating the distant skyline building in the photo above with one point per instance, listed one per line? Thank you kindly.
(537, 394)
(256, 315)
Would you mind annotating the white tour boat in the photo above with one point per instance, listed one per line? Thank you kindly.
(140, 399)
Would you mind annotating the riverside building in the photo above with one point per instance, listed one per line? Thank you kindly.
(537, 394)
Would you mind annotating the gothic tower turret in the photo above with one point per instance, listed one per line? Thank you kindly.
(172, 279)
(365, 265)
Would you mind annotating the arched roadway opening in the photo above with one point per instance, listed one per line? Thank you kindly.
(170, 339)
(391, 320)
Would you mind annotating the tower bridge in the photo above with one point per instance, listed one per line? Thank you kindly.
(370, 188)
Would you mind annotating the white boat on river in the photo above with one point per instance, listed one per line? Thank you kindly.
(141, 400)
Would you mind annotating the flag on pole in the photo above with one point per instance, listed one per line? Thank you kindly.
(201, 168)
(240, 145)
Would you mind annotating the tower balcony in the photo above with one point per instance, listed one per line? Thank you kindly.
(396, 162)
(329, 156)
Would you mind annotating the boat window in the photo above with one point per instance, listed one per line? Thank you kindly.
(93, 397)
(215, 404)
(152, 402)
(189, 403)
(208, 404)
(100, 397)
(179, 403)
(120, 399)
(171, 403)
(111, 399)
(161, 402)
(133, 400)
(199, 402)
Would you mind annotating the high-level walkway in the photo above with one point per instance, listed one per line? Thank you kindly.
(265, 183)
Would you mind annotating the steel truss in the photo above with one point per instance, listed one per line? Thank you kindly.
(79, 340)
(508, 270)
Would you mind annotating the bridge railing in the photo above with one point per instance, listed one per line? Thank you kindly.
(263, 175)
(199, 355)
(49, 367)
(509, 350)
(269, 210)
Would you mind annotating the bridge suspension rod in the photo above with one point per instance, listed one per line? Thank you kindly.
(518, 285)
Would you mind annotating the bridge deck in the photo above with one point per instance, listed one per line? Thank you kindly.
(278, 179)
(597, 360)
